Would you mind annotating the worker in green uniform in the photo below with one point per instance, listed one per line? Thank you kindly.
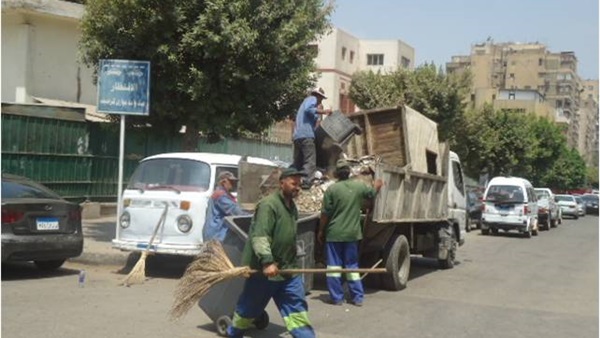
(340, 226)
(271, 246)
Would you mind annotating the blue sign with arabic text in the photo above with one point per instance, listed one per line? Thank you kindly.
(124, 87)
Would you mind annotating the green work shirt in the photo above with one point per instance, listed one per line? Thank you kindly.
(272, 235)
(341, 204)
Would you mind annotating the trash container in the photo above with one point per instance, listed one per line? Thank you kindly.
(219, 302)
(331, 137)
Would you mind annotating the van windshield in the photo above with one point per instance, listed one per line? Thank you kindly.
(171, 174)
(505, 193)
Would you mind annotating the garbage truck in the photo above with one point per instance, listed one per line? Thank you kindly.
(420, 210)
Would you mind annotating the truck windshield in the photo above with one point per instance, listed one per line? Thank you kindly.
(171, 174)
(505, 193)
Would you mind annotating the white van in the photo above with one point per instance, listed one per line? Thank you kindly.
(509, 203)
(183, 182)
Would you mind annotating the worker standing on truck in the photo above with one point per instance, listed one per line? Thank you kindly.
(221, 204)
(271, 246)
(305, 152)
(340, 226)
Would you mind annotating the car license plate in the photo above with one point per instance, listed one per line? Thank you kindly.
(44, 224)
(503, 215)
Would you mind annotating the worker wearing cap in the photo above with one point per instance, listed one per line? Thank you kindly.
(221, 204)
(305, 153)
(340, 227)
(271, 246)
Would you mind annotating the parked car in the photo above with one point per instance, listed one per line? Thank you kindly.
(510, 203)
(591, 203)
(474, 205)
(549, 214)
(38, 225)
(568, 205)
(580, 206)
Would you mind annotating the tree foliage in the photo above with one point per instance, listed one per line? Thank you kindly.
(510, 143)
(222, 67)
(429, 90)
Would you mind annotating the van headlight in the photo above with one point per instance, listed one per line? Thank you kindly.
(125, 220)
(184, 223)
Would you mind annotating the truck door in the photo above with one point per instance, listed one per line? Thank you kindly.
(457, 200)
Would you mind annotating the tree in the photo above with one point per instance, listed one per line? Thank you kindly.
(437, 95)
(592, 177)
(221, 67)
(568, 171)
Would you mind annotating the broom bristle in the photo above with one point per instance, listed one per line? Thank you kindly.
(210, 267)
(137, 275)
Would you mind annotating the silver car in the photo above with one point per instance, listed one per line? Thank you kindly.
(580, 206)
(549, 213)
(568, 205)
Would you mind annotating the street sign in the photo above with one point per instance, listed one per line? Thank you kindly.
(124, 87)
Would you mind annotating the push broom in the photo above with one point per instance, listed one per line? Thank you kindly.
(137, 275)
(212, 266)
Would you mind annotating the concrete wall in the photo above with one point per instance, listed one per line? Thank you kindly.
(43, 48)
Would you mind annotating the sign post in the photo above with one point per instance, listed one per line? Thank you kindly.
(123, 89)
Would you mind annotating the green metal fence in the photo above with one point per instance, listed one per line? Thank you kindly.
(79, 159)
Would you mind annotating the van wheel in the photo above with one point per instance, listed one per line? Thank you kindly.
(397, 262)
(468, 226)
(527, 233)
(485, 232)
(494, 231)
(49, 265)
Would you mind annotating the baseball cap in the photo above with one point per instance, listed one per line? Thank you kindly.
(288, 172)
(319, 91)
(227, 175)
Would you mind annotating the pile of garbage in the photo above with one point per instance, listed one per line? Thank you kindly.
(310, 201)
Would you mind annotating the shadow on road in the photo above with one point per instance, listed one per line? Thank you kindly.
(159, 266)
(28, 270)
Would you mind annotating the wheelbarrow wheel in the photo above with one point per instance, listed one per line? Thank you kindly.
(222, 324)
(262, 321)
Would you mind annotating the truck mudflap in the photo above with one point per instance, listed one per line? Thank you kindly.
(447, 246)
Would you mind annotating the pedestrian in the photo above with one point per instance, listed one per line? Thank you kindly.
(221, 204)
(305, 152)
(271, 246)
(340, 228)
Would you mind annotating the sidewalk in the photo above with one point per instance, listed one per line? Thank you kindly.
(98, 234)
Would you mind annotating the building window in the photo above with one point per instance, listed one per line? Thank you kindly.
(314, 50)
(493, 97)
(527, 87)
(512, 76)
(351, 56)
(343, 53)
(511, 95)
(405, 62)
(374, 59)
(540, 62)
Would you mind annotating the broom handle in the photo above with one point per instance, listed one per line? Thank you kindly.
(160, 221)
(360, 270)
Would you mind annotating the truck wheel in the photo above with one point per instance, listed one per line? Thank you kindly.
(397, 261)
(468, 226)
(222, 324)
(448, 262)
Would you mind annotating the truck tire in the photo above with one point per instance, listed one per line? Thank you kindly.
(397, 260)
(448, 262)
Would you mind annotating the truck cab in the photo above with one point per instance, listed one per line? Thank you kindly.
(457, 198)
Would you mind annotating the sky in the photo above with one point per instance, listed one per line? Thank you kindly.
(440, 29)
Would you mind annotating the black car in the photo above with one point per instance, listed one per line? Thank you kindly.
(474, 206)
(38, 225)
(591, 203)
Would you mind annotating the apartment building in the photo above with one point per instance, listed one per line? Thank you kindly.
(537, 80)
(340, 55)
(588, 140)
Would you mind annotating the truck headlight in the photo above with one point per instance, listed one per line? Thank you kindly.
(125, 220)
(184, 223)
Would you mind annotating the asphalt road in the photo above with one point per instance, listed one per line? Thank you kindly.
(502, 286)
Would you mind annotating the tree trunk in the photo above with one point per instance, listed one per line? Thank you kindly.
(190, 139)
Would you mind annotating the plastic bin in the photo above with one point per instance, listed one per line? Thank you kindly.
(331, 137)
(219, 302)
